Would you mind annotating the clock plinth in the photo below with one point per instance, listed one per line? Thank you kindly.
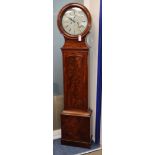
(76, 116)
(76, 129)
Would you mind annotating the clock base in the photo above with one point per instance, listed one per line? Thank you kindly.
(76, 129)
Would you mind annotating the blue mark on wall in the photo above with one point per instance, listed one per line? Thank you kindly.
(99, 81)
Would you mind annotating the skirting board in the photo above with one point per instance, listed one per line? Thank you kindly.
(89, 151)
(56, 134)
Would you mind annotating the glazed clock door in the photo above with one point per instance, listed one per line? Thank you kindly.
(74, 21)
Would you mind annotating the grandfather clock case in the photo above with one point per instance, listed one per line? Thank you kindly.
(74, 22)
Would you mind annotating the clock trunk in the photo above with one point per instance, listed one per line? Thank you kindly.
(75, 79)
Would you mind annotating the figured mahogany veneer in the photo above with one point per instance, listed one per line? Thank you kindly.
(76, 128)
(76, 116)
(75, 79)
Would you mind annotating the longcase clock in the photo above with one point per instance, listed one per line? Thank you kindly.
(74, 22)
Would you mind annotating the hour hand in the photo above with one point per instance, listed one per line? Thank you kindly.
(71, 19)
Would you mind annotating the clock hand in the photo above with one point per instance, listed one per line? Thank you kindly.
(71, 19)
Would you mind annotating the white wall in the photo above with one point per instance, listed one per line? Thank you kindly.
(129, 77)
(93, 7)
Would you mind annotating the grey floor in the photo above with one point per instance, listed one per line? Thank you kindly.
(59, 149)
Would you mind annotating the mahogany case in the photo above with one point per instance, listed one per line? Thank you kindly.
(76, 116)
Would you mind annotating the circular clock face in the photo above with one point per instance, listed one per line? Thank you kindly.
(74, 21)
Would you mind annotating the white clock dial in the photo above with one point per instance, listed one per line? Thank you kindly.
(74, 21)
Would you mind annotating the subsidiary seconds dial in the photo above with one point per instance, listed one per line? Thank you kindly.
(74, 21)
